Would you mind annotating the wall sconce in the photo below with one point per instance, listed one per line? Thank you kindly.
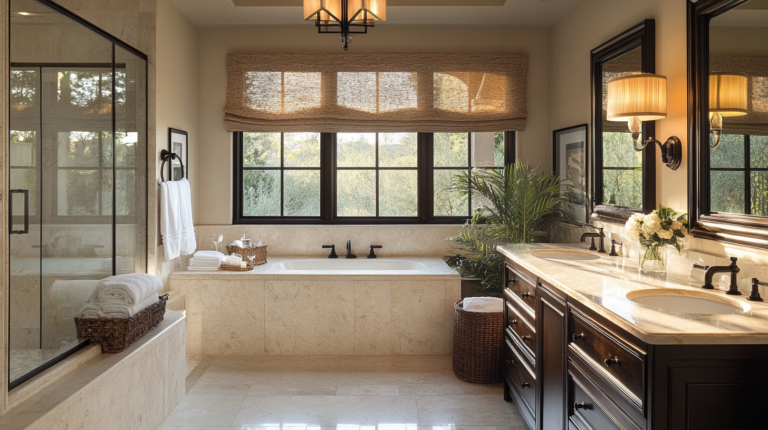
(727, 97)
(638, 98)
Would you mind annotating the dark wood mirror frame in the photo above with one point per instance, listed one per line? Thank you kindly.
(643, 36)
(741, 229)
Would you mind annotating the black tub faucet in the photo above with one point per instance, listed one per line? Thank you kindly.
(349, 250)
(372, 254)
(733, 269)
(600, 235)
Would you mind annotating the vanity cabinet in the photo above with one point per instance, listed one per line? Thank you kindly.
(569, 367)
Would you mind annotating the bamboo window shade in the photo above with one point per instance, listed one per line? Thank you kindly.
(756, 70)
(403, 92)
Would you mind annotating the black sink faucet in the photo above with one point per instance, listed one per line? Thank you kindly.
(349, 250)
(600, 235)
(733, 269)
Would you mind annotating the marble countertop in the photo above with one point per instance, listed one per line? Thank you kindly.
(602, 285)
(433, 268)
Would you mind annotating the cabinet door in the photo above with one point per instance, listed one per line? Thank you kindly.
(552, 360)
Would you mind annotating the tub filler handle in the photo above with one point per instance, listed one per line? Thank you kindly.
(373, 254)
(333, 251)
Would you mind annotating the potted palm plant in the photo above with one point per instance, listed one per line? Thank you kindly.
(520, 206)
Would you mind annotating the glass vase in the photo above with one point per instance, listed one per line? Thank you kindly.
(652, 259)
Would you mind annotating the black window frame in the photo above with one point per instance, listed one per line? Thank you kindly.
(425, 173)
(747, 170)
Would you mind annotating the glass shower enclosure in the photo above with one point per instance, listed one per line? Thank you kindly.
(78, 175)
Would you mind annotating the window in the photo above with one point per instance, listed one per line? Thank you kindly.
(622, 171)
(359, 177)
(738, 175)
(281, 174)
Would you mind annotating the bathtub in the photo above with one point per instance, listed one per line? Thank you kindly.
(322, 306)
(351, 265)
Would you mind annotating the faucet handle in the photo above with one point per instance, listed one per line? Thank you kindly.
(333, 251)
(755, 296)
(373, 254)
(613, 252)
(699, 266)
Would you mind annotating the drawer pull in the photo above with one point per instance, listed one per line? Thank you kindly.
(513, 322)
(510, 281)
(577, 336)
(526, 337)
(611, 361)
(580, 405)
(510, 362)
(525, 385)
(525, 295)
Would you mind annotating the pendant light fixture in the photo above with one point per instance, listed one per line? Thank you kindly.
(345, 17)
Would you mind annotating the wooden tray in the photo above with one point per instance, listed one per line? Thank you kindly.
(237, 269)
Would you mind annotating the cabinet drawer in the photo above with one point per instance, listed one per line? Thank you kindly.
(525, 332)
(584, 412)
(520, 376)
(620, 364)
(521, 289)
(589, 408)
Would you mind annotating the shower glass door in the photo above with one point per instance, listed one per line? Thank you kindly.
(77, 177)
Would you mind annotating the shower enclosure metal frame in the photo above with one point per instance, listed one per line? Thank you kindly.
(115, 43)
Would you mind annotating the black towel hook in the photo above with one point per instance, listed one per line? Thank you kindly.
(165, 155)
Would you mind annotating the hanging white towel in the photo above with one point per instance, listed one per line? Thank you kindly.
(170, 219)
(188, 242)
(483, 304)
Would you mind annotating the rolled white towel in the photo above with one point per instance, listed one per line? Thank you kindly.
(127, 289)
(116, 310)
(71, 292)
(483, 304)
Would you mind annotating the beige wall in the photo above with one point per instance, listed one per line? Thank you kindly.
(593, 22)
(215, 173)
(177, 102)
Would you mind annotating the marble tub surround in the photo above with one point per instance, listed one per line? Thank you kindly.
(602, 285)
(133, 389)
(339, 393)
(271, 311)
(307, 240)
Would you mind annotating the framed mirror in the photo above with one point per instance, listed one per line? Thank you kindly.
(728, 120)
(623, 180)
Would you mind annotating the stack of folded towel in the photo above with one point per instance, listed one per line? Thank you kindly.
(121, 296)
(205, 261)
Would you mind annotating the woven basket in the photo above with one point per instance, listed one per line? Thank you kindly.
(117, 334)
(477, 343)
(260, 252)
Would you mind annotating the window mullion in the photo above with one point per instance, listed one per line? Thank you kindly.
(748, 175)
(377, 172)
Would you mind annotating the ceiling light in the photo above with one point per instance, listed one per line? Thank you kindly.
(345, 17)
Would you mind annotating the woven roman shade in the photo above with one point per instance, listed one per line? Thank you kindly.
(376, 92)
(756, 71)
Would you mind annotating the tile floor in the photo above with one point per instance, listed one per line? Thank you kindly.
(337, 393)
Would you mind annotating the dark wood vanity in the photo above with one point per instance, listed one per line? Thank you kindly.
(566, 367)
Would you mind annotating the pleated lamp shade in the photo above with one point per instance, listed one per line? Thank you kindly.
(377, 9)
(728, 93)
(642, 96)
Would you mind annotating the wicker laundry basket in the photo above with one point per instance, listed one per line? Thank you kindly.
(117, 334)
(258, 252)
(477, 342)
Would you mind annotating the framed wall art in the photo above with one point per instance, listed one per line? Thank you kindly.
(571, 163)
(178, 143)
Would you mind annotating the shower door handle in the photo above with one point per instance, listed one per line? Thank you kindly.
(26, 211)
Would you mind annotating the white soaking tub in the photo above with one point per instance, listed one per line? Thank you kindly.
(351, 264)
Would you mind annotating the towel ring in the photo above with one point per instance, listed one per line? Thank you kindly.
(166, 155)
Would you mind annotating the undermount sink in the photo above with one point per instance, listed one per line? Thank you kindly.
(688, 301)
(565, 254)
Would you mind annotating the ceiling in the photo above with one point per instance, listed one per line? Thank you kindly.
(215, 13)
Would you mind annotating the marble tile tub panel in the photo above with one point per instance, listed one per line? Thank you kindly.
(334, 327)
(418, 318)
(373, 318)
(290, 317)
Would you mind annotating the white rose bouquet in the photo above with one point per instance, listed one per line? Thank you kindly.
(655, 231)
